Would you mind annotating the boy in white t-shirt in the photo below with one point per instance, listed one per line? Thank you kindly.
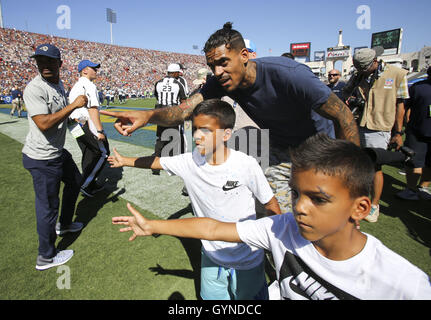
(318, 251)
(222, 184)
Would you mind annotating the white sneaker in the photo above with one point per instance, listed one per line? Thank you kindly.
(73, 227)
(424, 193)
(61, 258)
(374, 213)
(407, 194)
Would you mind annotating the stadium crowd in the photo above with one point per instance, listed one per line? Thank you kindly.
(132, 70)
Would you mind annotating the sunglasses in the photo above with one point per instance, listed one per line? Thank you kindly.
(333, 75)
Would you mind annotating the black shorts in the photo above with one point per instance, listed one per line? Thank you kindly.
(422, 147)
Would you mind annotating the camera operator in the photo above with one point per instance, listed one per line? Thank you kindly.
(380, 90)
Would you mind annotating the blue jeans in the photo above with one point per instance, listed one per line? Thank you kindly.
(47, 176)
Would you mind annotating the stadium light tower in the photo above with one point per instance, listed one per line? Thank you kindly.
(1, 16)
(111, 17)
(195, 47)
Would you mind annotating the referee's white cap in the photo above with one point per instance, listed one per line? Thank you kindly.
(174, 67)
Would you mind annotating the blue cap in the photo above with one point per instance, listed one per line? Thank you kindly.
(48, 50)
(251, 47)
(87, 63)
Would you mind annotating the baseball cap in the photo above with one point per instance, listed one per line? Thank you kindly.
(174, 67)
(251, 47)
(47, 50)
(202, 75)
(363, 58)
(87, 63)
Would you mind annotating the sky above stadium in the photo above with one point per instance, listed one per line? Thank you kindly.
(178, 26)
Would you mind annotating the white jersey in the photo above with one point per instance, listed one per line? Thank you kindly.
(85, 87)
(376, 273)
(225, 193)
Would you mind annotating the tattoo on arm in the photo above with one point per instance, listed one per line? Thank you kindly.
(344, 122)
(171, 116)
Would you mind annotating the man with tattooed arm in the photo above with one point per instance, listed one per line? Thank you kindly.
(276, 93)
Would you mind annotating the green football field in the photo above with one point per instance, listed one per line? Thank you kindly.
(106, 265)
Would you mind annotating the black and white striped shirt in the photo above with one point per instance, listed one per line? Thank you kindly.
(184, 83)
(169, 92)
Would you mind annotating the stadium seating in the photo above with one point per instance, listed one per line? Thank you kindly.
(132, 69)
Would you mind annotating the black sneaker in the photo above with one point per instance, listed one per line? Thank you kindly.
(73, 227)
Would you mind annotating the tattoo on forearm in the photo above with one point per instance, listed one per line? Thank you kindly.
(171, 116)
(344, 122)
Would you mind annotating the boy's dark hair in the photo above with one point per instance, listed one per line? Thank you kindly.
(337, 158)
(221, 110)
(227, 36)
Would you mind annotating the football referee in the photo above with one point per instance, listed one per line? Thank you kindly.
(169, 91)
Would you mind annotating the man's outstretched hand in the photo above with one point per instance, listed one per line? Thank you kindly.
(128, 121)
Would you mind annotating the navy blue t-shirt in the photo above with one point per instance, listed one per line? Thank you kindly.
(281, 99)
(420, 105)
(338, 89)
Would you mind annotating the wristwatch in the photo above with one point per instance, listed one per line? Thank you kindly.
(399, 132)
(101, 131)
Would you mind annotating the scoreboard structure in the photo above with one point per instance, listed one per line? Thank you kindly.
(301, 50)
(390, 40)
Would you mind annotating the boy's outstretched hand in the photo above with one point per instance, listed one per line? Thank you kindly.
(116, 160)
(136, 223)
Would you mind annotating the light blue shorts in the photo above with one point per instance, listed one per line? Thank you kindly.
(220, 283)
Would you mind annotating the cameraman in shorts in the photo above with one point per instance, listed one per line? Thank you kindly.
(380, 90)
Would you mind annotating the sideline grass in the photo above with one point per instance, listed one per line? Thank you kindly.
(404, 225)
(135, 103)
(130, 103)
(107, 266)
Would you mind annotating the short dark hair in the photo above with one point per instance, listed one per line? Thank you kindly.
(219, 109)
(227, 36)
(337, 158)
